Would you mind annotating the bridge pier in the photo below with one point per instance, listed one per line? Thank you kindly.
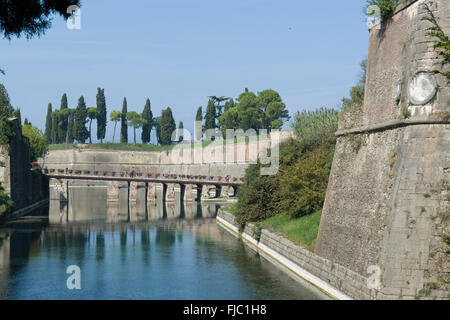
(208, 192)
(59, 201)
(113, 191)
(173, 192)
(190, 192)
(155, 191)
(137, 201)
(227, 192)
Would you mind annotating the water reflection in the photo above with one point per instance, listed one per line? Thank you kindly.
(171, 251)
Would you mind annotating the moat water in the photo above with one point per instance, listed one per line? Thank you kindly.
(170, 251)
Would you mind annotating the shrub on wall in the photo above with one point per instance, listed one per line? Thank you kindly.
(387, 7)
(299, 186)
(38, 142)
(6, 204)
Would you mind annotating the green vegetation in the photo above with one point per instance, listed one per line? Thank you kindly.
(443, 40)
(6, 204)
(314, 127)
(302, 231)
(299, 187)
(134, 120)
(265, 110)
(123, 122)
(48, 124)
(80, 132)
(101, 114)
(147, 116)
(387, 7)
(6, 111)
(166, 126)
(92, 114)
(38, 141)
(357, 92)
(30, 17)
(115, 117)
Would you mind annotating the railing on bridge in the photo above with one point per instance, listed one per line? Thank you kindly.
(140, 176)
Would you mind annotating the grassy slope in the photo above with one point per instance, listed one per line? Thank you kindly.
(302, 231)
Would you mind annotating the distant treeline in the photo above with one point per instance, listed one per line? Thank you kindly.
(264, 110)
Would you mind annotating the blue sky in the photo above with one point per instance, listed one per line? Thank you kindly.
(178, 52)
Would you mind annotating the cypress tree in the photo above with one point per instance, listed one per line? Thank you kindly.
(210, 116)
(123, 123)
(199, 117)
(80, 131)
(147, 115)
(63, 120)
(54, 133)
(180, 131)
(101, 114)
(70, 126)
(167, 126)
(48, 124)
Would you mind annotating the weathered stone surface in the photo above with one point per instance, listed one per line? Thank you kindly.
(387, 202)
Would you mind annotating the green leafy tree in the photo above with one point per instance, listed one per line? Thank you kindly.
(101, 114)
(30, 17)
(387, 7)
(218, 101)
(4, 101)
(166, 126)
(26, 121)
(6, 130)
(48, 124)
(147, 115)
(135, 121)
(123, 123)
(229, 120)
(272, 110)
(38, 142)
(92, 114)
(249, 114)
(229, 104)
(6, 204)
(80, 131)
(115, 117)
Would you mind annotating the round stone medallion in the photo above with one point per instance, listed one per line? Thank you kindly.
(421, 88)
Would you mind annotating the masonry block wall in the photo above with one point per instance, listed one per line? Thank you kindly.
(387, 203)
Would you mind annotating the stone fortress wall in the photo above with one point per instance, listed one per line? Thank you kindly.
(216, 159)
(388, 199)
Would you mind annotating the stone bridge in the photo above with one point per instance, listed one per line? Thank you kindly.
(186, 173)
